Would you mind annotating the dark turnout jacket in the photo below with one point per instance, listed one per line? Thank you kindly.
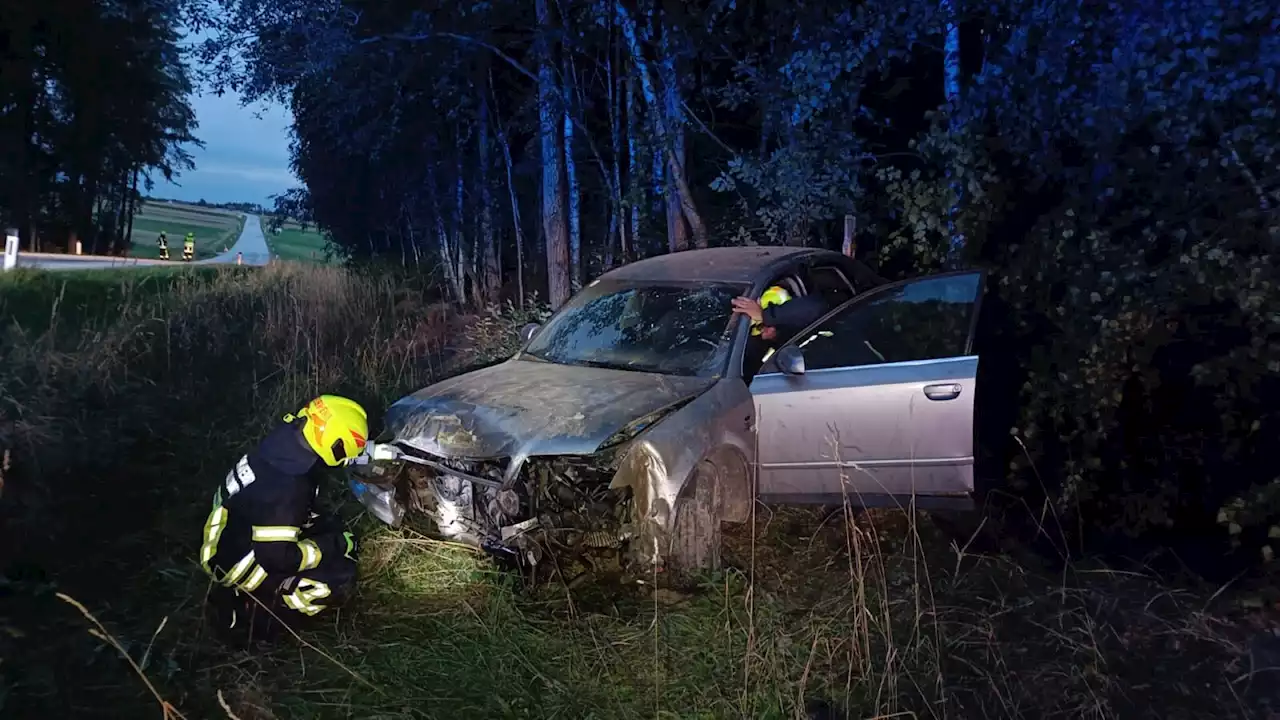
(795, 315)
(256, 527)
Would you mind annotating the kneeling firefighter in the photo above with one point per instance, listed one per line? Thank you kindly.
(263, 544)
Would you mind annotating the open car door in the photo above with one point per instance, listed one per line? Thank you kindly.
(883, 408)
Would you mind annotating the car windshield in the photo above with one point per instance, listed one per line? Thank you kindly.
(659, 328)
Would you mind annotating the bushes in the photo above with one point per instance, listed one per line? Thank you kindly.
(1126, 214)
(495, 334)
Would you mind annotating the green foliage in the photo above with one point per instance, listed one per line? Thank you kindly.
(495, 334)
(1156, 250)
(95, 103)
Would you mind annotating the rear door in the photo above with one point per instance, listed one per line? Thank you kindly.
(885, 407)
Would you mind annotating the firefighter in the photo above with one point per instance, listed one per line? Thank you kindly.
(188, 247)
(774, 318)
(263, 544)
(163, 242)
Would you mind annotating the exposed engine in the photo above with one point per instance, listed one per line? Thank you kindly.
(550, 517)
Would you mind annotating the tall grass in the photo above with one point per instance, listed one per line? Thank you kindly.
(121, 419)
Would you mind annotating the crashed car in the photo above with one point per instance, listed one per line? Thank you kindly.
(625, 431)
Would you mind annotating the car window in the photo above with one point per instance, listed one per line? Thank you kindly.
(921, 320)
(831, 284)
(662, 328)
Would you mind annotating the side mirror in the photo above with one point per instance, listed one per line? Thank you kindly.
(790, 360)
(528, 331)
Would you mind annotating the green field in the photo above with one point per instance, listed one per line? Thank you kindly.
(126, 397)
(294, 243)
(216, 230)
(37, 300)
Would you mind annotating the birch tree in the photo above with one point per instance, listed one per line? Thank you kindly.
(551, 115)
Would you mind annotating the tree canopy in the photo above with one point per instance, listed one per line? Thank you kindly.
(93, 101)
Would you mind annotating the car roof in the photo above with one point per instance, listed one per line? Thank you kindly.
(721, 264)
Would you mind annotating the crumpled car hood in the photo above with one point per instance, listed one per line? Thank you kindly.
(529, 408)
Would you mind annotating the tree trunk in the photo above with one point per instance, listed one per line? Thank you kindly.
(511, 191)
(404, 251)
(674, 164)
(24, 71)
(797, 226)
(117, 237)
(133, 209)
(410, 225)
(550, 127)
(442, 233)
(677, 232)
(492, 273)
(571, 175)
(951, 73)
(464, 269)
(617, 233)
(634, 191)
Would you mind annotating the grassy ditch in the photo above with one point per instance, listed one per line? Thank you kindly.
(118, 423)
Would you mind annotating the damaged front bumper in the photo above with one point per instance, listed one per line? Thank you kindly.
(557, 514)
(371, 477)
(381, 502)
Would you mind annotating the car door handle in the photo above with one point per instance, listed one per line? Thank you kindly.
(945, 391)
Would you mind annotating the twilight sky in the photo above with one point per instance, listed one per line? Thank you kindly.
(245, 157)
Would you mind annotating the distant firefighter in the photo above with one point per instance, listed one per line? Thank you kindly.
(163, 243)
(189, 247)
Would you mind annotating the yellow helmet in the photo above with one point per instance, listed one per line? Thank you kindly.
(774, 295)
(337, 428)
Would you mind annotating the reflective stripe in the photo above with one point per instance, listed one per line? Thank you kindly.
(213, 527)
(310, 555)
(275, 533)
(768, 354)
(815, 336)
(238, 570)
(304, 597)
(240, 477)
(255, 578)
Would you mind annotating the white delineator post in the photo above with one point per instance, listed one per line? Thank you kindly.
(11, 249)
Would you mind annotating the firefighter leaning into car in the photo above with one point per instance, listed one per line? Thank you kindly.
(163, 243)
(262, 537)
(189, 247)
(774, 318)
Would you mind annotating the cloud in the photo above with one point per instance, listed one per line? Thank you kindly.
(246, 153)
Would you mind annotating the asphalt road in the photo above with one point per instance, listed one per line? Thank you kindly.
(251, 244)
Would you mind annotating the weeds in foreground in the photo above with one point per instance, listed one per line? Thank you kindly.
(100, 632)
(120, 422)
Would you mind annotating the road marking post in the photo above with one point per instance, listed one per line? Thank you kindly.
(11, 249)
(239, 258)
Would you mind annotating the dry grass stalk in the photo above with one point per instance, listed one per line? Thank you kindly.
(99, 631)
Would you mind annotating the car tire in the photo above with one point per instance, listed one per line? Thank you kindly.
(696, 538)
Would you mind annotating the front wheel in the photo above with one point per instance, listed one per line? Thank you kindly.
(696, 537)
